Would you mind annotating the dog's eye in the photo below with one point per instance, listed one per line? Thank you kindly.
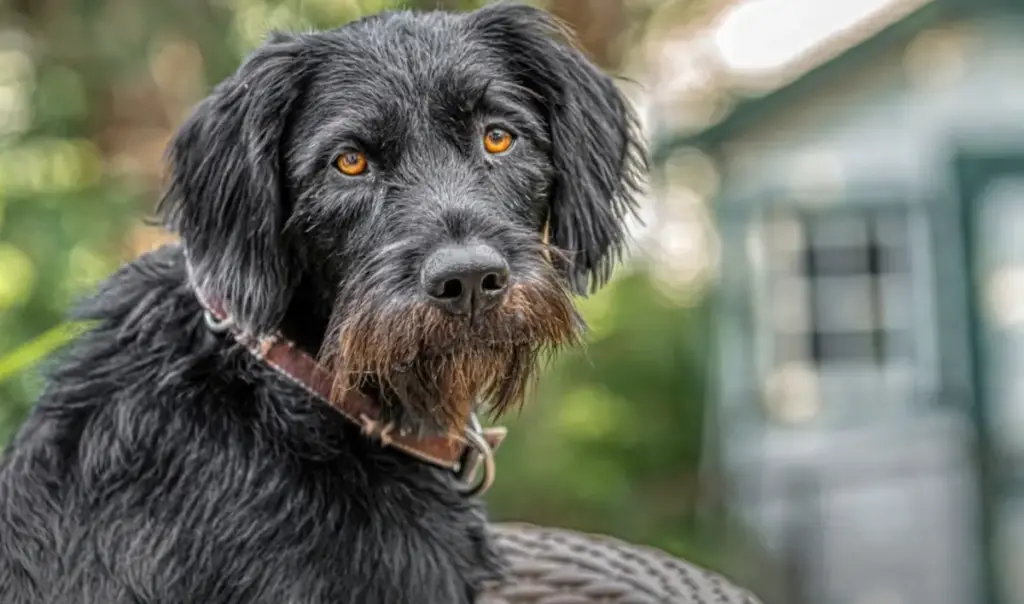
(351, 163)
(497, 140)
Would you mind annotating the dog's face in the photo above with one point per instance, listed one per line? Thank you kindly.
(436, 185)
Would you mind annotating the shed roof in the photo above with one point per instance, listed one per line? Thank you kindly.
(749, 112)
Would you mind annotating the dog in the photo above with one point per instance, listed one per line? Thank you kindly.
(381, 231)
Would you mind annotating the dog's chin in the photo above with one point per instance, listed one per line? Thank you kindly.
(431, 370)
(436, 393)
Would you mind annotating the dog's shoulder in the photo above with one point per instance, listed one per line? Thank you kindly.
(156, 279)
(140, 299)
(136, 324)
(38, 471)
(128, 324)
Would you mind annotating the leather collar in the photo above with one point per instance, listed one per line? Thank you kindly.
(464, 454)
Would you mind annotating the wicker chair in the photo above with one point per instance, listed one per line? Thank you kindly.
(555, 566)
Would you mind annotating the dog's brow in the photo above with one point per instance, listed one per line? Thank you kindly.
(510, 101)
(476, 96)
(462, 96)
(481, 95)
(367, 129)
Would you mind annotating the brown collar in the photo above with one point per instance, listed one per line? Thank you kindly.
(464, 455)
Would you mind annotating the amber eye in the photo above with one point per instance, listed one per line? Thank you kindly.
(497, 140)
(351, 163)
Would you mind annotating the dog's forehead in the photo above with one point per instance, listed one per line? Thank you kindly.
(410, 54)
(404, 78)
(395, 82)
(410, 49)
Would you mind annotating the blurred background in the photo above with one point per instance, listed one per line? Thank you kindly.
(810, 374)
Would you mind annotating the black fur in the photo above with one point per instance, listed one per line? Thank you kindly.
(163, 463)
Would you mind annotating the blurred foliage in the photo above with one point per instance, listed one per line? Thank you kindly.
(90, 91)
(612, 440)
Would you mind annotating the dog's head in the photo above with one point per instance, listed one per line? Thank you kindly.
(435, 186)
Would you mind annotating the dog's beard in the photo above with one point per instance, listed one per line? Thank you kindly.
(438, 366)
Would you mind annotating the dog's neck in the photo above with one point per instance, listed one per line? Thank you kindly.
(462, 453)
(306, 321)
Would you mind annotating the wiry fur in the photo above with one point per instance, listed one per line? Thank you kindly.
(164, 464)
(440, 367)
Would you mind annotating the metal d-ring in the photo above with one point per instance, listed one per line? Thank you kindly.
(478, 456)
(215, 325)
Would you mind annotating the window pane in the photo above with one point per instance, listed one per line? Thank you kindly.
(844, 303)
(840, 288)
(848, 346)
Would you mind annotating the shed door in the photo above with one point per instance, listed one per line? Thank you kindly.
(993, 197)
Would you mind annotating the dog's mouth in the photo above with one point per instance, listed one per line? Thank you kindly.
(430, 369)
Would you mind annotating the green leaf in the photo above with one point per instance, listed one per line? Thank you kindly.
(32, 352)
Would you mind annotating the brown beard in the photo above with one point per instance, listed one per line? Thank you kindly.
(438, 366)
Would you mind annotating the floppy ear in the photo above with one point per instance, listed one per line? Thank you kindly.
(226, 196)
(596, 147)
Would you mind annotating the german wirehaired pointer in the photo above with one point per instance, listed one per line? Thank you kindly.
(380, 227)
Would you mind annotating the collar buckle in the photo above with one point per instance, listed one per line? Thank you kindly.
(479, 455)
(217, 325)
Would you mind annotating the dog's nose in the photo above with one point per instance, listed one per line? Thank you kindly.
(465, 279)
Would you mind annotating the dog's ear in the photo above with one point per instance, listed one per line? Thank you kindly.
(226, 196)
(596, 146)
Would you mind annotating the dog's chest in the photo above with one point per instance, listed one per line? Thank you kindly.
(327, 534)
(219, 522)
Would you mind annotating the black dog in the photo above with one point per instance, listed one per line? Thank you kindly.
(412, 199)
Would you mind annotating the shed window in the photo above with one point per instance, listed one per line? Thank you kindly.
(839, 288)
